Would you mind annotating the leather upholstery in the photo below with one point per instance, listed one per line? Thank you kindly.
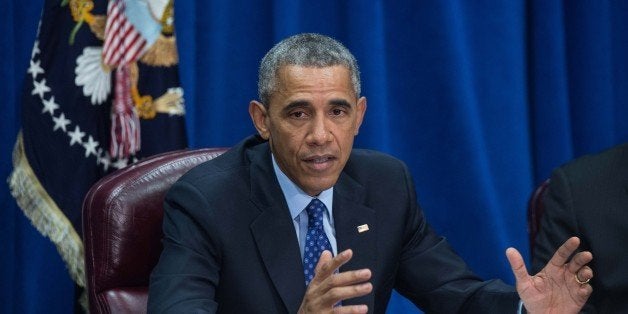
(535, 212)
(122, 228)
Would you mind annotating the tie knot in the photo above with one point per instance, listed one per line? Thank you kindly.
(315, 211)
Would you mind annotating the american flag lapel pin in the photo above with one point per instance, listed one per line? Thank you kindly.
(363, 228)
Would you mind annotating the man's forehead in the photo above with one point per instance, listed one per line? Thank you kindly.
(290, 77)
(305, 69)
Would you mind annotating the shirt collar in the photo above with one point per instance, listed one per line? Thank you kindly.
(296, 198)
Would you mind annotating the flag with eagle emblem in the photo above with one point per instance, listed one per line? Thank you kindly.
(87, 111)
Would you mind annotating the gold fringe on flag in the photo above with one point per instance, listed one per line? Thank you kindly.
(44, 213)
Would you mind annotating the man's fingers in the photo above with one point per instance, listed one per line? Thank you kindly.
(584, 292)
(584, 274)
(517, 264)
(579, 261)
(337, 294)
(350, 277)
(330, 287)
(351, 309)
(564, 252)
(327, 264)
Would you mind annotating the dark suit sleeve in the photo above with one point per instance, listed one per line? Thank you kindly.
(558, 221)
(436, 279)
(187, 274)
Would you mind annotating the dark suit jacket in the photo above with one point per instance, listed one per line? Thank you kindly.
(588, 197)
(230, 245)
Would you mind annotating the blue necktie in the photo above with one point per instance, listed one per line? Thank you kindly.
(316, 240)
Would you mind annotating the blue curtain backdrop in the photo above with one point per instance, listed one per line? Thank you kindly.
(482, 99)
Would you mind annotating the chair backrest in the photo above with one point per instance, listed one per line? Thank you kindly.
(535, 212)
(122, 229)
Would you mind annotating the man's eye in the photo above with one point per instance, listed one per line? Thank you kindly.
(297, 114)
(337, 112)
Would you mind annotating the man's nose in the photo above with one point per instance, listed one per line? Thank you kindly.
(320, 132)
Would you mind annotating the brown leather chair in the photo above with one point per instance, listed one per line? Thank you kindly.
(535, 212)
(122, 229)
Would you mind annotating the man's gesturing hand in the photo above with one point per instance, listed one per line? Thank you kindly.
(329, 287)
(561, 286)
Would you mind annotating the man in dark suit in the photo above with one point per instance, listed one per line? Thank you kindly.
(588, 197)
(295, 220)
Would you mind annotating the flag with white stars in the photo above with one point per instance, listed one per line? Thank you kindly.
(64, 145)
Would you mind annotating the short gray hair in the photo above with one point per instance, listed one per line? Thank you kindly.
(308, 50)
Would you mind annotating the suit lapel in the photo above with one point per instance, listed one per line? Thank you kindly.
(350, 213)
(274, 233)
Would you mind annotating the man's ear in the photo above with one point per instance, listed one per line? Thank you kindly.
(259, 115)
(361, 110)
